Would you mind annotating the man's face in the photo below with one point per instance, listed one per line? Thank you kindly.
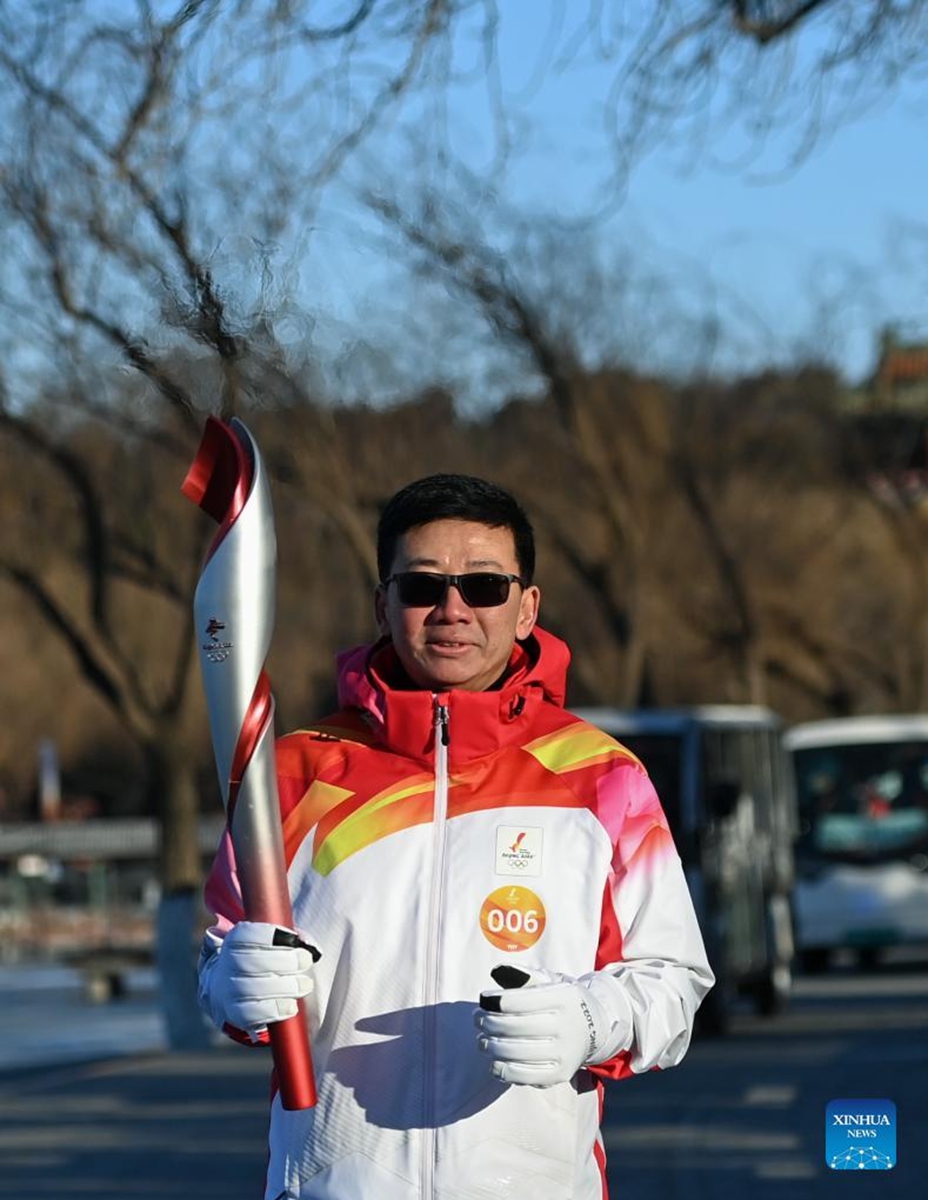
(452, 645)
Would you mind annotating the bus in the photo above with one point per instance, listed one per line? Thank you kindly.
(725, 783)
(862, 853)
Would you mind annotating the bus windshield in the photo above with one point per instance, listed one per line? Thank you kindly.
(863, 802)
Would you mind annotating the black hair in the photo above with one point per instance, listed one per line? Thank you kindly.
(454, 497)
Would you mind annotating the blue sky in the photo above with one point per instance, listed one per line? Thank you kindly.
(803, 261)
(828, 243)
(832, 230)
(790, 264)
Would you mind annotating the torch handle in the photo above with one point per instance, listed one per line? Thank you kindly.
(293, 1062)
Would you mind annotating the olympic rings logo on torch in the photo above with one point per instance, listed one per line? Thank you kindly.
(214, 650)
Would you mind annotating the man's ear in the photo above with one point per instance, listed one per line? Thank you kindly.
(380, 610)
(528, 611)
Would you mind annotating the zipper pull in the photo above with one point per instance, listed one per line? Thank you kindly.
(442, 719)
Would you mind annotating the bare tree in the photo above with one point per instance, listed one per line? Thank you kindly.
(145, 178)
(161, 169)
(885, 475)
(697, 505)
(683, 72)
(115, 539)
(612, 433)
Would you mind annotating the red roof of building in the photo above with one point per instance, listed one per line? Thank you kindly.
(907, 364)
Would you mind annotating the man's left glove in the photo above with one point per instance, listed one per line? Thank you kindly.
(540, 1028)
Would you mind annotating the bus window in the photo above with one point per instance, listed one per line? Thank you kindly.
(762, 784)
(722, 774)
(863, 802)
(862, 789)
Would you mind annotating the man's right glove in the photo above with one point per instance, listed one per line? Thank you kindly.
(255, 976)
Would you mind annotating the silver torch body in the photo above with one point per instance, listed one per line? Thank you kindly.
(234, 609)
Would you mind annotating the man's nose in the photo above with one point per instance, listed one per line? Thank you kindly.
(453, 606)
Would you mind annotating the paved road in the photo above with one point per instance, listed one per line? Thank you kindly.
(743, 1117)
(185, 1127)
(92, 1106)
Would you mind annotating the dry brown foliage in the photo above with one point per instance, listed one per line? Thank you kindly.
(747, 563)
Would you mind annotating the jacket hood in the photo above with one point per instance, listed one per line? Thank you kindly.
(371, 681)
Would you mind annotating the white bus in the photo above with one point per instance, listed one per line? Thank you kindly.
(725, 783)
(862, 854)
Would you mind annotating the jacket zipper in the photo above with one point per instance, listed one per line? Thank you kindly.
(439, 815)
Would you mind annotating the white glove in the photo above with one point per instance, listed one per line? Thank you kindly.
(540, 1028)
(255, 976)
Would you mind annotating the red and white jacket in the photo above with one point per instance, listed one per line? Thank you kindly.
(428, 838)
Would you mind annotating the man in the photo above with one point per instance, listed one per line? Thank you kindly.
(464, 853)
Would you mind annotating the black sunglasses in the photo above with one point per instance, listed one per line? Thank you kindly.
(481, 589)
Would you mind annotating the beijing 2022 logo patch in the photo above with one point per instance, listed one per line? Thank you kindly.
(860, 1135)
(518, 850)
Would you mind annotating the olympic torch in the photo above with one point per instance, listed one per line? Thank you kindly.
(234, 613)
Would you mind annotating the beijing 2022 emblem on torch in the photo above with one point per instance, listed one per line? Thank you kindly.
(234, 614)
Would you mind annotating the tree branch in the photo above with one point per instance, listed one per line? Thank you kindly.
(333, 32)
(211, 311)
(90, 664)
(764, 30)
(96, 537)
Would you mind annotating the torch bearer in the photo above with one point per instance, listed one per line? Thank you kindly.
(234, 613)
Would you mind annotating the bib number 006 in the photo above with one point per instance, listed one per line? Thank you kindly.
(512, 918)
